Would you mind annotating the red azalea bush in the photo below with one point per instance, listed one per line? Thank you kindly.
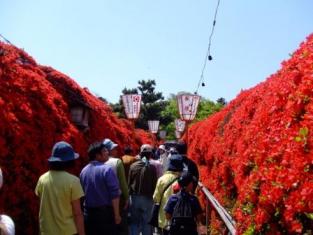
(256, 155)
(35, 106)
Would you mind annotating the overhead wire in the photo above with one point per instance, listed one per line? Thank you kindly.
(6, 40)
(208, 55)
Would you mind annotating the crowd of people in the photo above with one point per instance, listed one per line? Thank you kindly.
(118, 195)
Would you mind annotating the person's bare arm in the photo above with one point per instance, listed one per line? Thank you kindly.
(126, 205)
(115, 204)
(168, 216)
(78, 217)
(199, 218)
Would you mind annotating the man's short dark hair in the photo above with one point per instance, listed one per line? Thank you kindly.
(147, 154)
(128, 150)
(95, 149)
(181, 147)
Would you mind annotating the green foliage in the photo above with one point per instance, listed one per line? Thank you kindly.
(206, 108)
(309, 215)
(169, 114)
(303, 133)
(248, 208)
(152, 103)
(250, 230)
(146, 89)
(154, 107)
(221, 101)
(303, 137)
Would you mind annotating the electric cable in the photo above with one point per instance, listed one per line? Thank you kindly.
(6, 40)
(208, 55)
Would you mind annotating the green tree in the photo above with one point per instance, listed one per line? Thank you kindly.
(152, 103)
(154, 107)
(221, 101)
(169, 114)
(206, 108)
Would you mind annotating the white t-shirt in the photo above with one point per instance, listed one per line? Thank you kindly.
(113, 163)
(164, 161)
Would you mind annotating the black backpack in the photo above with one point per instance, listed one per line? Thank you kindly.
(183, 221)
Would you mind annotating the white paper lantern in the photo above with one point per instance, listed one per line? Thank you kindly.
(180, 125)
(153, 126)
(187, 106)
(131, 104)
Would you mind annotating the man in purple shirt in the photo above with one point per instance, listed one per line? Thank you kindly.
(100, 184)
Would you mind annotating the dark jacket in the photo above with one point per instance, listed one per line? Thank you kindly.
(142, 179)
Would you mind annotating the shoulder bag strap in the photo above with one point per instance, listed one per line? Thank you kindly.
(167, 186)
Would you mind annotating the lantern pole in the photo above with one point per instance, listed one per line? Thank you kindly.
(155, 140)
(133, 124)
(187, 129)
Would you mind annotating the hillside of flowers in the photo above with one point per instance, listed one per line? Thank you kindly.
(35, 103)
(256, 155)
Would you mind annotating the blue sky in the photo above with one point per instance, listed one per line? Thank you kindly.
(108, 45)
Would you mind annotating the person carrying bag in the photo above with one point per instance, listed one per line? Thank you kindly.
(163, 190)
(154, 220)
(183, 209)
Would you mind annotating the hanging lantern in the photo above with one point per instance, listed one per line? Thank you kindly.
(153, 126)
(80, 115)
(180, 125)
(187, 106)
(131, 104)
(178, 134)
(162, 134)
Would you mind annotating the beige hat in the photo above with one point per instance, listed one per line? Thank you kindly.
(162, 146)
(146, 148)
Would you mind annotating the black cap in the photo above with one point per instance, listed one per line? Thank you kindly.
(175, 163)
(185, 179)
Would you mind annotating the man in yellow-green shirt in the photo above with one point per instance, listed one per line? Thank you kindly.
(60, 194)
(175, 167)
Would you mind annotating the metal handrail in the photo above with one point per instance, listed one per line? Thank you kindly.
(224, 215)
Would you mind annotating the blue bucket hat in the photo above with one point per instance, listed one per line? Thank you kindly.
(63, 152)
(109, 144)
(175, 163)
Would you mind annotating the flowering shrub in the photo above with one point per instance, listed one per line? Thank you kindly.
(256, 155)
(35, 113)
